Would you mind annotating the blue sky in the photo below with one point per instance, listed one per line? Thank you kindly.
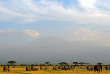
(23, 22)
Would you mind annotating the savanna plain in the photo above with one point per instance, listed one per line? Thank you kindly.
(77, 70)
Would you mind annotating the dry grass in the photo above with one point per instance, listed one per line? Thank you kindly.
(55, 72)
(78, 70)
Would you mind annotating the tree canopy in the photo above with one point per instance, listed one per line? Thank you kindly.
(76, 63)
(99, 63)
(63, 63)
(82, 63)
(12, 62)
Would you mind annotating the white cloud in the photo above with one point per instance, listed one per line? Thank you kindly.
(2, 32)
(87, 4)
(97, 37)
(7, 31)
(27, 11)
(105, 5)
(84, 34)
(31, 33)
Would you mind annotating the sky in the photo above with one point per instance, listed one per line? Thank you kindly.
(36, 31)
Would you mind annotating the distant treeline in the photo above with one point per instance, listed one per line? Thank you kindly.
(13, 63)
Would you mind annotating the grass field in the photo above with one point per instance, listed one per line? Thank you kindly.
(78, 70)
(55, 72)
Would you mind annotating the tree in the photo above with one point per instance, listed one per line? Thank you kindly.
(11, 62)
(63, 63)
(47, 63)
(81, 63)
(87, 63)
(76, 63)
(99, 63)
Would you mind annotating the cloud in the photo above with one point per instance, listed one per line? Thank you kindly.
(84, 34)
(7, 31)
(104, 5)
(2, 32)
(101, 37)
(23, 11)
(87, 4)
(31, 33)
